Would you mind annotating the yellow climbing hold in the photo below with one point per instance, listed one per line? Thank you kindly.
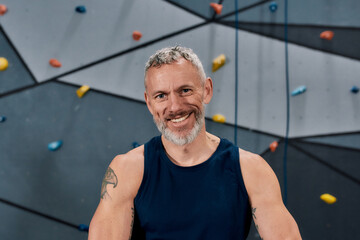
(328, 198)
(219, 118)
(3, 64)
(218, 62)
(82, 90)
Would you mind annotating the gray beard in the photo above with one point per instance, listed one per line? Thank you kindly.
(178, 140)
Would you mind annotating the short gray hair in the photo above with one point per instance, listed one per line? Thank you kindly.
(169, 55)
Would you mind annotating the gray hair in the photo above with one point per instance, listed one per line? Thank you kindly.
(169, 55)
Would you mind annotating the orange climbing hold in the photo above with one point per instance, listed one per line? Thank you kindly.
(328, 35)
(55, 63)
(136, 35)
(273, 146)
(217, 7)
(3, 9)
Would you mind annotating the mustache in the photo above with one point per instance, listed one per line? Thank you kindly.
(176, 114)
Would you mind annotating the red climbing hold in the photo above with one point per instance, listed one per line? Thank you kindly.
(217, 7)
(55, 63)
(3, 9)
(273, 146)
(136, 35)
(328, 35)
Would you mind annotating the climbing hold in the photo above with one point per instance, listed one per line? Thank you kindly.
(3, 9)
(82, 90)
(217, 7)
(55, 63)
(273, 146)
(298, 90)
(136, 35)
(2, 118)
(53, 146)
(219, 118)
(327, 35)
(135, 144)
(80, 9)
(354, 89)
(218, 62)
(3, 64)
(273, 7)
(83, 227)
(328, 198)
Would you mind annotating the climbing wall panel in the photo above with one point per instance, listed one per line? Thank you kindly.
(16, 75)
(53, 29)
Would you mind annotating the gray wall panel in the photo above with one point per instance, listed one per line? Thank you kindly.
(15, 76)
(42, 30)
(327, 106)
(308, 12)
(16, 224)
(350, 140)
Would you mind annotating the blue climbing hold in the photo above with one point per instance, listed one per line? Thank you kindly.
(298, 90)
(80, 9)
(135, 144)
(2, 118)
(83, 227)
(273, 7)
(354, 89)
(53, 146)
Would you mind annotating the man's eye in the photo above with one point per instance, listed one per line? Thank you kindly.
(160, 96)
(186, 90)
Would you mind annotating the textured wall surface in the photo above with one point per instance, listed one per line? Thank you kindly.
(46, 195)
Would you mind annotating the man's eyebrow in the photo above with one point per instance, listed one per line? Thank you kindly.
(185, 86)
(156, 92)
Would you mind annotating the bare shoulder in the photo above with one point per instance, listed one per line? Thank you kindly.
(124, 174)
(132, 160)
(258, 176)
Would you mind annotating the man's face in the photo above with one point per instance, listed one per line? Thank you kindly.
(175, 97)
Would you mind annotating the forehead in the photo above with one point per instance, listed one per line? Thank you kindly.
(176, 73)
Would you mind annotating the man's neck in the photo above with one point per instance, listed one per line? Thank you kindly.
(194, 153)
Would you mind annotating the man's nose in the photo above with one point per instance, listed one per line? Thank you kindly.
(175, 103)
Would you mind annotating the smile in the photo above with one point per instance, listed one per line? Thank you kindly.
(176, 120)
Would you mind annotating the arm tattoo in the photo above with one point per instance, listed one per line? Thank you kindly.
(132, 222)
(109, 178)
(253, 210)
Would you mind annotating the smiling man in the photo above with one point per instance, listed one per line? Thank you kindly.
(188, 183)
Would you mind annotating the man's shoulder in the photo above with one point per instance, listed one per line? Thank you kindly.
(257, 173)
(130, 163)
(250, 158)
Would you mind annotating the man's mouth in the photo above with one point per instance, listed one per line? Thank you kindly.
(177, 120)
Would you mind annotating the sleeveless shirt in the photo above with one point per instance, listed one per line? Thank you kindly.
(206, 201)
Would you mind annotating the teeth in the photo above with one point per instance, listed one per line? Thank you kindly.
(179, 119)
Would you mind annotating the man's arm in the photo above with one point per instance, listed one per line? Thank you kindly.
(271, 218)
(114, 216)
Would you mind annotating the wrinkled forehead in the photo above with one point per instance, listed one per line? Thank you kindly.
(174, 69)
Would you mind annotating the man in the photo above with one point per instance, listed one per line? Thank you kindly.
(188, 183)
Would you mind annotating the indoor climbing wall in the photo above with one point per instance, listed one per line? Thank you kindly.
(71, 99)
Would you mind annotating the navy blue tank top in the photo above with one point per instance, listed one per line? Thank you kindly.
(206, 201)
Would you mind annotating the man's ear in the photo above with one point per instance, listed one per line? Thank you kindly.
(208, 90)
(148, 103)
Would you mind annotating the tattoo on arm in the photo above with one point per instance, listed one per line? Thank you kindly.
(109, 178)
(132, 221)
(253, 210)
